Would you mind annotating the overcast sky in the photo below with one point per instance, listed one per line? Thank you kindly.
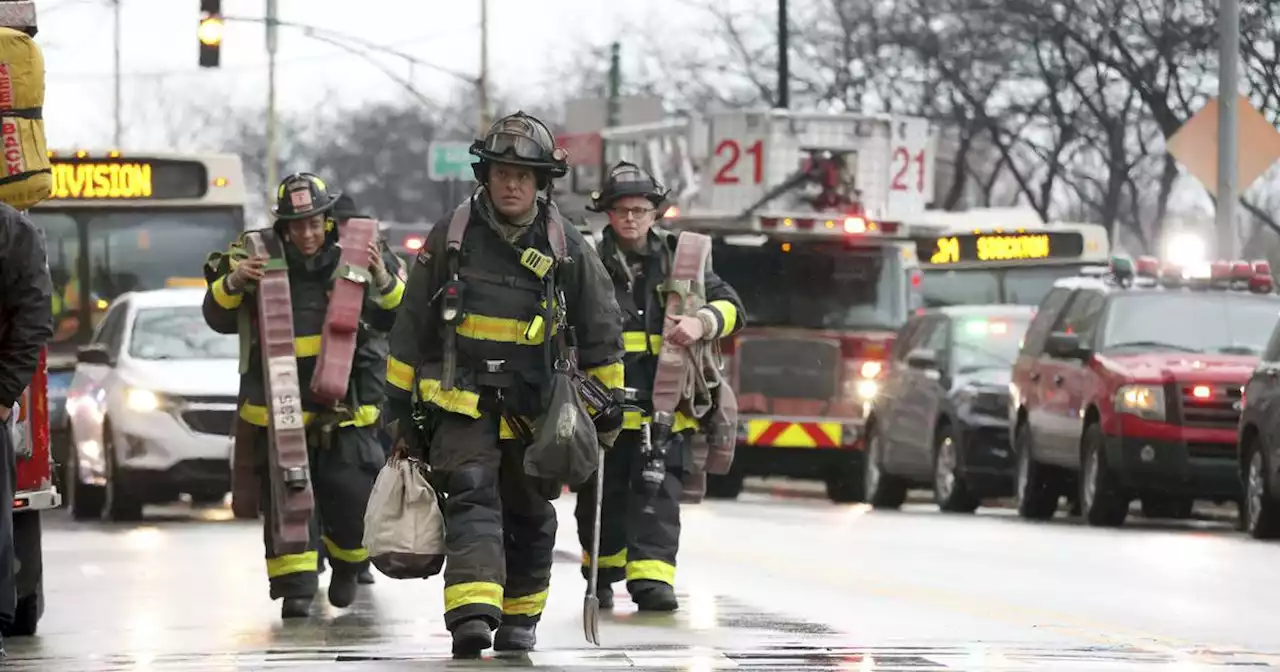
(159, 50)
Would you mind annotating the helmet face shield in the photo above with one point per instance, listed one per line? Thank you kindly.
(516, 146)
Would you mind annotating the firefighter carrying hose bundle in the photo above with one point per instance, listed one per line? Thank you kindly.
(640, 515)
(301, 264)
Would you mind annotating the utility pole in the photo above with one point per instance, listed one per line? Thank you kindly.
(273, 162)
(484, 68)
(615, 84)
(116, 137)
(784, 85)
(1228, 142)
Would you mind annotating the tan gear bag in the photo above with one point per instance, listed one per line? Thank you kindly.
(403, 524)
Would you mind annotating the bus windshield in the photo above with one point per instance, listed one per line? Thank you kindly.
(1024, 285)
(815, 285)
(96, 255)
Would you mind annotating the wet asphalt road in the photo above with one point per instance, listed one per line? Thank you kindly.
(766, 583)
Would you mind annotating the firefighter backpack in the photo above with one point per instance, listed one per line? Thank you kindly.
(27, 178)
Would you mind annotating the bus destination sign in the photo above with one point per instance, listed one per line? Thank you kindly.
(127, 179)
(997, 247)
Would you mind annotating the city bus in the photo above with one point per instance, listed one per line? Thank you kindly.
(119, 222)
(1001, 255)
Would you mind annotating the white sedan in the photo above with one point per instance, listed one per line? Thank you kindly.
(152, 408)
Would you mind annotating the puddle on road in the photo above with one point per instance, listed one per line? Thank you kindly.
(976, 658)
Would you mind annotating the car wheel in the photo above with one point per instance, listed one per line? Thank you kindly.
(950, 490)
(1103, 503)
(84, 499)
(1261, 510)
(883, 490)
(1036, 490)
(120, 504)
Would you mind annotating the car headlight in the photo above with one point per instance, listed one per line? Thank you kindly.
(140, 400)
(1144, 401)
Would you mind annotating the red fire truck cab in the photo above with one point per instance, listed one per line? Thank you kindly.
(35, 492)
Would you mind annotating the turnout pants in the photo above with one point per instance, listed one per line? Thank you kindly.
(639, 536)
(342, 477)
(500, 527)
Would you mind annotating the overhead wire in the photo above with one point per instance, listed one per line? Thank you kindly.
(333, 39)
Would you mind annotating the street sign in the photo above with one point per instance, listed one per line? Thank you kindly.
(450, 161)
(1195, 145)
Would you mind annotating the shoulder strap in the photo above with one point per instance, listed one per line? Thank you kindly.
(457, 230)
(555, 232)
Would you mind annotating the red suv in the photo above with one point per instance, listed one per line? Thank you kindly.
(1129, 384)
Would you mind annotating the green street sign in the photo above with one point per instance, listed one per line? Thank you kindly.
(450, 161)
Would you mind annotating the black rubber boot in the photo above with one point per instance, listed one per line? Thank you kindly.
(342, 589)
(653, 595)
(295, 607)
(515, 638)
(366, 577)
(604, 593)
(470, 637)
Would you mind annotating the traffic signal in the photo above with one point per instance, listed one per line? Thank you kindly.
(210, 33)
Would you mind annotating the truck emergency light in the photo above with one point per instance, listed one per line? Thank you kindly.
(413, 243)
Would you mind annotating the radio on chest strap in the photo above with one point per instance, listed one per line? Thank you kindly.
(536, 262)
(290, 473)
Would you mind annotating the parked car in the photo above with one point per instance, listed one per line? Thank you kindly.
(152, 407)
(1259, 446)
(941, 419)
(1129, 386)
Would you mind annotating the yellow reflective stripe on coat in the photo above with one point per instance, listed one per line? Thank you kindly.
(505, 432)
(399, 374)
(257, 415)
(639, 341)
(730, 314)
(296, 563)
(651, 570)
(475, 592)
(526, 605)
(634, 419)
(617, 560)
(349, 555)
(222, 298)
(612, 375)
(456, 400)
(501, 330)
(391, 299)
(306, 346)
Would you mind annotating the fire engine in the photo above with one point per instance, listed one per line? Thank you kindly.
(806, 211)
(34, 493)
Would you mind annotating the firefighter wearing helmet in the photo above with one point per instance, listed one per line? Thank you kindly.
(639, 532)
(493, 295)
(343, 448)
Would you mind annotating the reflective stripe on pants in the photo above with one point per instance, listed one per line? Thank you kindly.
(634, 545)
(499, 531)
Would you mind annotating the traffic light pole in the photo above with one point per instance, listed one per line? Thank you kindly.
(273, 161)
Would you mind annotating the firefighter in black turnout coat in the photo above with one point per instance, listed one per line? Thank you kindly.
(639, 535)
(481, 306)
(344, 466)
